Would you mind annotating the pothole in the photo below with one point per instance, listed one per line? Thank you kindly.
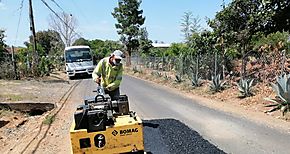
(32, 109)
(35, 112)
(3, 123)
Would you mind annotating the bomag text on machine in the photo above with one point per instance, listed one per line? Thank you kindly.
(105, 126)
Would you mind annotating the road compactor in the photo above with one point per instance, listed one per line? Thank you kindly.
(101, 125)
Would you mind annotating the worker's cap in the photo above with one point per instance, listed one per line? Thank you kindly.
(118, 54)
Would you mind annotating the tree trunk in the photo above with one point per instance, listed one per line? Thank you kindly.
(197, 64)
(223, 63)
(215, 64)
(128, 58)
(244, 62)
(283, 62)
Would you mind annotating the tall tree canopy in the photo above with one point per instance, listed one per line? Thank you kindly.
(144, 42)
(2, 39)
(251, 16)
(49, 40)
(279, 12)
(2, 45)
(130, 19)
(81, 41)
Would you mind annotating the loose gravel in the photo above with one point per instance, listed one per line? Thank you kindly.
(171, 136)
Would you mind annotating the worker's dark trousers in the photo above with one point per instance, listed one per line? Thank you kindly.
(113, 94)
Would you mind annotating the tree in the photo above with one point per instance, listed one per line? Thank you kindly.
(104, 48)
(144, 42)
(2, 45)
(239, 21)
(81, 41)
(49, 40)
(129, 19)
(278, 16)
(66, 27)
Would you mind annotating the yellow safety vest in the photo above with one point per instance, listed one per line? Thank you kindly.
(111, 76)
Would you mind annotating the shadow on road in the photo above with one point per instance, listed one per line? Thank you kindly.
(81, 76)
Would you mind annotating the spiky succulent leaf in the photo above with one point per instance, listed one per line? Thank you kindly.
(276, 89)
(283, 92)
(240, 87)
(158, 74)
(178, 78)
(216, 84)
(272, 105)
(196, 81)
(283, 110)
(245, 86)
(223, 84)
(271, 100)
(251, 82)
(166, 77)
(288, 89)
(278, 107)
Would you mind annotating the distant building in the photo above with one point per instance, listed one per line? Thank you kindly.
(16, 50)
(161, 45)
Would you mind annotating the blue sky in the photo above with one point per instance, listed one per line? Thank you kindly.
(163, 17)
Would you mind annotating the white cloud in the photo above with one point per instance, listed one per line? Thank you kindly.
(2, 6)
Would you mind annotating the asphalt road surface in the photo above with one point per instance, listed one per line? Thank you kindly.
(173, 123)
(183, 126)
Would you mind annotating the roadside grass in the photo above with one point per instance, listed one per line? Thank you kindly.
(49, 119)
(229, 95)
(4, 112)
(11, 97)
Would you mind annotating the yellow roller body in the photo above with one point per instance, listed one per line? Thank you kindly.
(125, 136)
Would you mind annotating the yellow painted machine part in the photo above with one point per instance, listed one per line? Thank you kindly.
(126, 135)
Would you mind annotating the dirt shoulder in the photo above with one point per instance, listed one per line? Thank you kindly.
(251, 108)
(16, 125)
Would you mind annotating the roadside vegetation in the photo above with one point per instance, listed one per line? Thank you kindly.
(50, 49)
(246, 50)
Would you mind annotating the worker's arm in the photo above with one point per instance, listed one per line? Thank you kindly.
(97, 73)
(114, 85)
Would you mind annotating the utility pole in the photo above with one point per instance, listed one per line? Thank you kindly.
(32, 29)
(14, 64)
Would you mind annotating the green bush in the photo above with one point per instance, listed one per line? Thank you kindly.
(8, 72)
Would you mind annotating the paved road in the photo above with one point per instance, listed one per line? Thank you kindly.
(230, 133)
(173, 124)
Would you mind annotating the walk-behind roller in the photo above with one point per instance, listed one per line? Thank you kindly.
(105, 126)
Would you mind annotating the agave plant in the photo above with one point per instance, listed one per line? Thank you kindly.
(217, 84)
(282, 89)
(135, 69)
(166, 77)
(178, 78)
(196, 81)
(245, 86)
(159, 74)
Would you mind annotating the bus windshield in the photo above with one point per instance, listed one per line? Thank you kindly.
(78, 55)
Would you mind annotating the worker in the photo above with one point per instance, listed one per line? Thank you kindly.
(108, 74)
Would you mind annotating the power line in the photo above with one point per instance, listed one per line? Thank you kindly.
(18, 24)
(58, 5)
(80, 11)
(59, 17)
